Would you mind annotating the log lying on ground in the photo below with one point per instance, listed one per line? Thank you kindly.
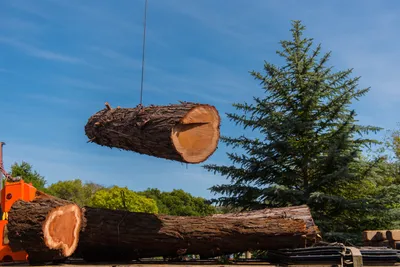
(46, 228)
(185, 132)
(295, 212)
(119, 235)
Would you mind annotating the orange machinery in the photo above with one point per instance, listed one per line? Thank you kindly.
(12, 189)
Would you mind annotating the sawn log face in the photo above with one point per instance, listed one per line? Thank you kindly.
(149, 130)
(27, 228)
(130, 235)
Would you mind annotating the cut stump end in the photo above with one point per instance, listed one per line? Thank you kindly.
(186, 132)
(197, 134)
(61, 229)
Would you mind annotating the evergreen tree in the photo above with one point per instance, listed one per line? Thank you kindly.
(309, 145)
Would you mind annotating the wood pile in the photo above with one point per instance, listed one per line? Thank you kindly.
(50, 229)
(382, 238)
(185, 132)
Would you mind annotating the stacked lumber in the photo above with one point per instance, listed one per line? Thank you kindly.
(185, 132)
(375, 238)
(394, 238)
(382, 238)
(50, 229)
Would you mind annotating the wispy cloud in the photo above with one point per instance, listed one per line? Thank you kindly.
(48, 99)
(207, 81)
(239, 22)
(66, 102)
(368, 50)
(30, 8)
(15, 26)
(118, 58)
(83, 84)
(97, 11)
(41, 53)
(117, 85)
(124, 25)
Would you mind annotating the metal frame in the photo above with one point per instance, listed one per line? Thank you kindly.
(2, 170)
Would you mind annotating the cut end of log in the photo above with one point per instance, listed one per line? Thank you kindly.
(186, 132)
(196, 136)
(61, 229)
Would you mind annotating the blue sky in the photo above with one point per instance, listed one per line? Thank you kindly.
(61, 60)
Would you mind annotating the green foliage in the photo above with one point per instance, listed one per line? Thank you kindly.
(394, 143)
(74, 190)
(26, 172)
(179, 202)
(117, 198)
(227, 209)
(389, 173)
(309, 146)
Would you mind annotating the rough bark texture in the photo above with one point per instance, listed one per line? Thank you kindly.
(117, 235)
(44, 228)
(296, 212)
(154, 130)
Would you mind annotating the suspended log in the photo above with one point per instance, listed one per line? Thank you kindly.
(46, 228)
(119, 235)
(186, 132)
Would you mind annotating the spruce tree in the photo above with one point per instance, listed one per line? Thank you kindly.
(309, 142)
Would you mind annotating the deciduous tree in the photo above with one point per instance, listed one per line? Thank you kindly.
(121, 198)
(74, 190)
(180, 203)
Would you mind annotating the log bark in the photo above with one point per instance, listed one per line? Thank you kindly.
(302, 212)
(46, 228)
(186, 132)
(120, 235)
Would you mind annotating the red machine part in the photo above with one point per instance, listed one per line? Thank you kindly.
(11, 192)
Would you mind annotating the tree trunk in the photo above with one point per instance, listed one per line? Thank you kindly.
(46, 228)
(295, 212)
(120, 235)
(185, 132)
